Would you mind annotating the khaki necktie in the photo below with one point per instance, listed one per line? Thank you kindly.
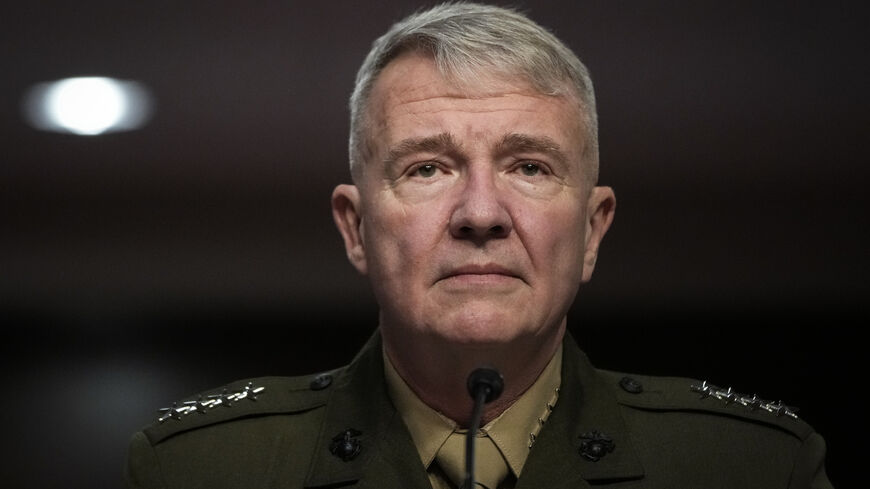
(490, 467)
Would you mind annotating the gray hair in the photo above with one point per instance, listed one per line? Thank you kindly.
(468, 43)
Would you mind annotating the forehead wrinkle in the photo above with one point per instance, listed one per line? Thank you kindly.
(411, 97)
(470, 110)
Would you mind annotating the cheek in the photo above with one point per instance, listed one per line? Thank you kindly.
(401, 237)
(554, 239)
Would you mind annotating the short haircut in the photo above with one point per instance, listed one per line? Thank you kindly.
(469, 43)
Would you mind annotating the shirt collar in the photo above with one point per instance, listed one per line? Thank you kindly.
(429, 428)
(513, 431)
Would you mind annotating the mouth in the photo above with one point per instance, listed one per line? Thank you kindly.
(481, 274)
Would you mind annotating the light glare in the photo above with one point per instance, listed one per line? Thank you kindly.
(87, 105)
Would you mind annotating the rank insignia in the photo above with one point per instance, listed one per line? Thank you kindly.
(201, 405)
(753, 402)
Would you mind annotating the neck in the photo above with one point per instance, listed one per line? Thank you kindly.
(437, 370)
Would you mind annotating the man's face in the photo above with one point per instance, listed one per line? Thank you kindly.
(471, 215)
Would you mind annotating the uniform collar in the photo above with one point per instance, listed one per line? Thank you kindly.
(359, 401)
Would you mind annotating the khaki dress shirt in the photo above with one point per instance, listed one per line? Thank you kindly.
(513, 432)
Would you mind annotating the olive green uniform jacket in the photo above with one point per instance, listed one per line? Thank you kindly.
(651, 432)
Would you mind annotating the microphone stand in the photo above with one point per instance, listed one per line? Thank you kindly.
(484, 385)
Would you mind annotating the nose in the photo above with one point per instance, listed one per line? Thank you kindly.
(479, 214)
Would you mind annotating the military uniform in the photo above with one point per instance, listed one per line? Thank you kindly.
(340, 429)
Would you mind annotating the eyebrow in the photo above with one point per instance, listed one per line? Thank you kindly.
(524, 143)
(440, 143)
(445, 143)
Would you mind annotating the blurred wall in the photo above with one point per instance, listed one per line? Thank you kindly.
(137, 268)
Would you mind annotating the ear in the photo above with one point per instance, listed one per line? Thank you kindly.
(346, 211)
(599, 214)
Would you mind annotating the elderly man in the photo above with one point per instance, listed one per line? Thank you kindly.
(476, 214)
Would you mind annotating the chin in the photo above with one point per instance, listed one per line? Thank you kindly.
(478, 330)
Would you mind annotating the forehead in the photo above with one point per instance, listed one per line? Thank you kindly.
(411, 94)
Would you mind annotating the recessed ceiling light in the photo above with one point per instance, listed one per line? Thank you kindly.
(88, 106)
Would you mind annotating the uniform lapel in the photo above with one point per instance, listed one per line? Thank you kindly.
(395, 463)
(387, 456)
(586, 405)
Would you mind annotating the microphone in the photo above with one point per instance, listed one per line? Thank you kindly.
(485, 384)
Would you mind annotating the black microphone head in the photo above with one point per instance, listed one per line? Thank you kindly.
(485, 378)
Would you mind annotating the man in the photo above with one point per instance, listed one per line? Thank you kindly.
(475, 214)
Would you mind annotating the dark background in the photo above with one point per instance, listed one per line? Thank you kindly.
(137, 268)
